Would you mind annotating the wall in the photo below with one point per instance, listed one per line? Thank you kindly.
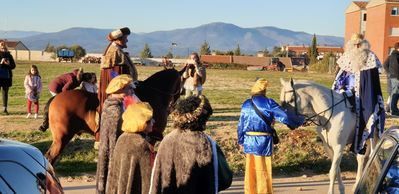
(216, 59)
(352, 24)
(245, 60)
(31, 55)
(376, 31)
(391, 22)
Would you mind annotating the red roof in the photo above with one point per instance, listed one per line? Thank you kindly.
(11, 44)
(323, 49)
(361, 4)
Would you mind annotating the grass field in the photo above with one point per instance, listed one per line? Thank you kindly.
(226, 90)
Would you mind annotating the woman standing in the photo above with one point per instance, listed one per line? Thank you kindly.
(7, 64)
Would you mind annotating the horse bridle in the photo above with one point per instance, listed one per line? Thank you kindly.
(310, 119)
(174, 101)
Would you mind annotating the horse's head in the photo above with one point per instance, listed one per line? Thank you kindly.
(292, 97)
(161, 90)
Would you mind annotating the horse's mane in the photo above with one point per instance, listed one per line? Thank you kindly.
(317, 91)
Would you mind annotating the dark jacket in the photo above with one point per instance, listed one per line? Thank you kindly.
(130, 167)
(64, 82)
(391, 65)
(7, 82)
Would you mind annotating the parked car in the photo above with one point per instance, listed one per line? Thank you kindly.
(381, 174)
(24, 169)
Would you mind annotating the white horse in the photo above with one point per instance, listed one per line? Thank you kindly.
(335, 122)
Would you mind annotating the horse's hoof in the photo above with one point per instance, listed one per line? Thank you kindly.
(43, 129)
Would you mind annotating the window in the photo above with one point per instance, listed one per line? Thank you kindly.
(365, 17)
(370, 182)
(394, 11)
(395, 31)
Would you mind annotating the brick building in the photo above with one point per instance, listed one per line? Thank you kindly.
(378, 20)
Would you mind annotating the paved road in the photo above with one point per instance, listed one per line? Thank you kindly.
(294, 185)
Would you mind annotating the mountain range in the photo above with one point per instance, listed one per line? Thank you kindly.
(220, 36)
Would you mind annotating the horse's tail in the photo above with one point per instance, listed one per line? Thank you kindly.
(45, 124)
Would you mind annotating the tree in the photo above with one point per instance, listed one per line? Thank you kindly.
(78, 50)
(169, 55)
(313, 50)
(49, 48)
(265, 52)
(205, 49)
(146, 52)
(237, 51)
(278, 52)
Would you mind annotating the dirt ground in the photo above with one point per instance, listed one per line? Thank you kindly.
(294, 185)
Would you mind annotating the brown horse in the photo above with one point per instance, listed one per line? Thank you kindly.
(73, 112)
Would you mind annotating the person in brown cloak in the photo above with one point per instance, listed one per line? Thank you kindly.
(130, 167)
(184, 162)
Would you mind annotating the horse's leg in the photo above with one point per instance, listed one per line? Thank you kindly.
(334, 170)
(59, 142)
(360, 166)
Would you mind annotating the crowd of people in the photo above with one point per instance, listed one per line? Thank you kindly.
(188, 160)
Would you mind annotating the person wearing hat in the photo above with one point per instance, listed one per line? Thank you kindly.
(111, 121)
(359, 76)
(130, 166)
(184, 160)
(255, 136)
(115, 62)
(67, 81)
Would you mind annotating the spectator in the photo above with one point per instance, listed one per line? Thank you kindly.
(194, 76)
(89, 82)
(167, 64)
(33, 88)
(118, 88)
(7, 64)
(132, 157)
(391, 67)
(67, 81)
(256, 135)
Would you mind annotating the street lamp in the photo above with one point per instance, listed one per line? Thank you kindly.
(171, 48)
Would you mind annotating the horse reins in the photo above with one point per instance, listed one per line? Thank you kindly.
(310, 119)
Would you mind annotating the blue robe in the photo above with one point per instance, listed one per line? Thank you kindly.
(262, 145)
(370, 113)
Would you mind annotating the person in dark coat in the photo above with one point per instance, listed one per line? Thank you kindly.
(391, 66)
(7, 64)
(67, 81)
(111, 123)
(184, 161)
(130, 167)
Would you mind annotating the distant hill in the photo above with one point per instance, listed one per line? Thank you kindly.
(220, 36)
(17, 34)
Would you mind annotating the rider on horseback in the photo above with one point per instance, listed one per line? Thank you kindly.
(359, 70)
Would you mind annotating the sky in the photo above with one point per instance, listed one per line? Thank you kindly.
(322, 17)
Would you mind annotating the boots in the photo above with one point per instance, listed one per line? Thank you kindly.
(5, 111)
